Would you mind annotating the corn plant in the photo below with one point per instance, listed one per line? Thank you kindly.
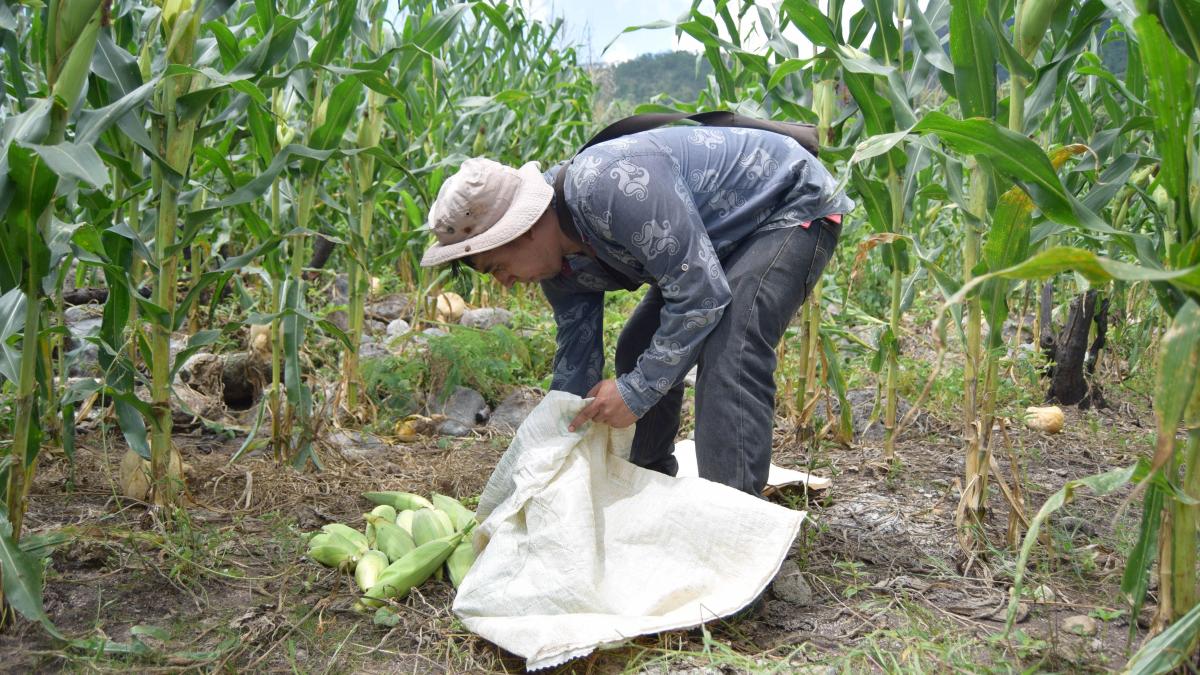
(1016, 139)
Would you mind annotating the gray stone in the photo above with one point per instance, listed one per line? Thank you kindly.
(340, 319)
(689, 380)
(372, 350)
(84, 327)
(486, 318)
(390, 307)
(1080, 624)
(464, 405)
(339, 293)
(356, 444)
(373, 327)
(512, 411)
(84, 356)
(79, 313)
(789, 585)
(398, 327)
(454, 428)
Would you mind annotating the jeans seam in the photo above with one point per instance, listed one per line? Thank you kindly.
(741, 453)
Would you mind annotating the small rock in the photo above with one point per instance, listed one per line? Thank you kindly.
(434, 332)
(357, 445)
(391, 307)
(689, 380)
(486, 318)
(373, 327)
(454, 428)
(789, 585)
(339, 319)
(84, 327)
(512, 411)
(340, 291)
(1080, 624)
(78, 313)
(1043, 593)
(397, 327)
(464, 405)
(372, 350)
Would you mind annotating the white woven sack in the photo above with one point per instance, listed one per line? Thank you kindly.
(579, 548)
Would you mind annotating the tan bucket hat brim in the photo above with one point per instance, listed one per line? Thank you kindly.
(528, 204)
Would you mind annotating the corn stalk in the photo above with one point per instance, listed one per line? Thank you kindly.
(173, 135)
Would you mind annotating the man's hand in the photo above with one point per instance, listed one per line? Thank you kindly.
(608, 407)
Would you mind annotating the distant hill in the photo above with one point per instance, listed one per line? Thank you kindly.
(679, 75)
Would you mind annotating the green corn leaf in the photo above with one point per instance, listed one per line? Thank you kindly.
(811, 21)
(343, 103)
(334, 39)
(1136, 578)
(1100, 484)
(1019, 158)
(973, 52)
(1172, 84)
(931, 45)
(1169, 649)
(1181, 20)
(1096, 269)
(115, 66)
(196, 342)
(22, 578)
(1176, 377)
(12, 321)
(886, 36)
(75, 161)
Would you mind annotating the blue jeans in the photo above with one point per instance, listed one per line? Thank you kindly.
(770, 274)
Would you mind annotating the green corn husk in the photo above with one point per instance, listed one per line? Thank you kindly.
(385, 511)
(391, 539)
(368, 569)
(427, 526)
(333, 556)
(412, 570)
(333, 550)
(350, 534)
(401, 501)
(446, 522)
(404, 520)
(460, 515)
(460, 561)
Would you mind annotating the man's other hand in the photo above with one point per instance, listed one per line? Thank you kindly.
(607, 406)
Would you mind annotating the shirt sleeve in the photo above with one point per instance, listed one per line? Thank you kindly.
(642, 207)
(579, 352)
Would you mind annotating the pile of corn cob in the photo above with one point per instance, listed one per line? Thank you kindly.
(407, 539)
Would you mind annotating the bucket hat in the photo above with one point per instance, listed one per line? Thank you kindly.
(484, 206)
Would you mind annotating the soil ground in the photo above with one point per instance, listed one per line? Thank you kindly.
(230, 590)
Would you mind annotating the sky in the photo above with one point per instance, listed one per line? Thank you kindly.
(597, 22)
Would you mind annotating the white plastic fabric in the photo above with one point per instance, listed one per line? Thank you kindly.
(579, 548)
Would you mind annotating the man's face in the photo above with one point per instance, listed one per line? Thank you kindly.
(526, 259)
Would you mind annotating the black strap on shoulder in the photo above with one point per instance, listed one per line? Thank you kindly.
(804, 134)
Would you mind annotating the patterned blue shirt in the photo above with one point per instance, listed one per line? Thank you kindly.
(665, 207)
